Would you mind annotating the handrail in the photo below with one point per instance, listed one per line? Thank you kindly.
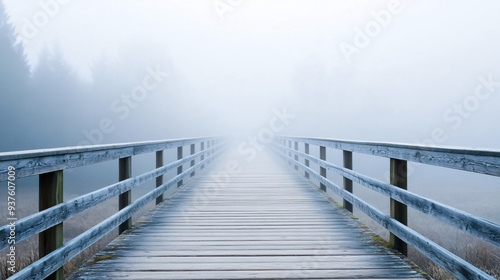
(473, 160)
(479, 227)
(396, 223)
(50, 217)
(49, 165)
(35, 162)
(51, 262)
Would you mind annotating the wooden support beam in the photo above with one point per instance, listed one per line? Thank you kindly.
(51, 194)
(306, 161)
(179, 169)
(347, 182)
(159, 179)
(124, 172)
(202, 148)
(399, 210)
(296, 157)
(322, 170)
(192, 151)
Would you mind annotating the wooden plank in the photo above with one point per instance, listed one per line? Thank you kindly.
(35, 162)
(385, 259)
(256, 274)
(484, 161)
(231, 266)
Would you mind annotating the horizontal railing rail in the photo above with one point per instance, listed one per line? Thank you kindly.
(473, 160)
(49, 220)
(35, 162)
(400, 197)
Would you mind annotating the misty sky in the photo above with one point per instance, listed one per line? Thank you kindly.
(399, 71)
(113, 71)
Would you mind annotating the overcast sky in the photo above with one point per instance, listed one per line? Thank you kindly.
(400, 71)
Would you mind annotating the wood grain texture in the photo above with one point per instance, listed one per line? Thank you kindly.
(484, 161)
(263, 222)
(34, 162)
(51, 194)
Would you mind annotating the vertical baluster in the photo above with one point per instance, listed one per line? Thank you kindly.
(208, 152)
(296, 157)
(322, 170)
(179, 169)
(124, 172)
(399, 211)
(202, 148)
(306, 161)
(51, 194)
(159, 179)
(347, 183)
(192, 152)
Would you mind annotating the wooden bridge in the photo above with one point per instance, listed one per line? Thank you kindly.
(256, 218)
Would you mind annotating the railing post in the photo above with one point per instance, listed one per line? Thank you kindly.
(179, 168)
(399, 211)
(192, 151)
(347, 182)
(159, 179)
(296, 157)
(202, 148)
(124, 172)
(306, 161)
(50, 194)
(322, 170)
(208, 152)
(289, 153)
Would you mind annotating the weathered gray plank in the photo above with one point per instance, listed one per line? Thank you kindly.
(256, 274)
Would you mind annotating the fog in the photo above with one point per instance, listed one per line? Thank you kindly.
(398, 71)
(427, 72)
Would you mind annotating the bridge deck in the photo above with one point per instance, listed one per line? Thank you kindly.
(266, 223)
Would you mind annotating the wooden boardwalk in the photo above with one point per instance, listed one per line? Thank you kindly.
(266, 223)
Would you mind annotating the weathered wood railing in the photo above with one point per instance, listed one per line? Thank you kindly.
(49, 165)
(478, 161)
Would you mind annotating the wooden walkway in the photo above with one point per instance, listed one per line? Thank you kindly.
(266, 223)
